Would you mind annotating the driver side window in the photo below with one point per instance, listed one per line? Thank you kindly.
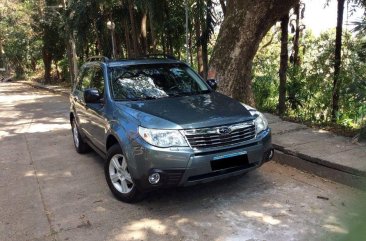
(97, 80)
(85, 79)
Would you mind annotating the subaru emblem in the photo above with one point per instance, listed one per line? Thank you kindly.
(223, 131)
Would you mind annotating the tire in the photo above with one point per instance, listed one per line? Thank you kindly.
(80, 145)
(119, 178)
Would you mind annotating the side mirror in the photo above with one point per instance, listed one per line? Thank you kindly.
(212, 83)
(92, 96)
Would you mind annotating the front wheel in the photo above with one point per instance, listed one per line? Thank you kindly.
(119, 178)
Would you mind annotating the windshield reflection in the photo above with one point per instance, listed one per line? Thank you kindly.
(145, 82)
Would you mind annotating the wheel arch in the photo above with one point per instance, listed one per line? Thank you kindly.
(111, 140)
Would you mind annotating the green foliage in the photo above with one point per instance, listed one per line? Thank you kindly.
(34, 32)
(266, 80)
(309, 87)
(15, 35)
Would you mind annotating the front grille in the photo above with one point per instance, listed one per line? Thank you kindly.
(220, 136)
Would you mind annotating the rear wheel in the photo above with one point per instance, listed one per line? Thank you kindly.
(118, 176)
(80, 145)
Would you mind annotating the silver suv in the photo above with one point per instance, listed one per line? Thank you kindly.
(159, 124)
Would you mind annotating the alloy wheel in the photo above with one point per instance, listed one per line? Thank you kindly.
(119, 174)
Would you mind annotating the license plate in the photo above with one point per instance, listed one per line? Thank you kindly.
(229, 155)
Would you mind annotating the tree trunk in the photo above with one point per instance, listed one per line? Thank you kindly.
(57, 71)
(152, 33)
(169, 35)
(163, 42)
(297, 36)
(131, 4)
(190, 47)
(197, 27)
(144, 32)
(127, 39)
(72, 75)
(283, 65)
(2, 61)
(47, 61)
(206, 39)
(337, 60)
(119, 47)
(74, 58)
(245, 25)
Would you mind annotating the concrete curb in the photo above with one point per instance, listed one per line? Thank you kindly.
(320, 170)
(332, 171)
(53, 89)
(321, 162)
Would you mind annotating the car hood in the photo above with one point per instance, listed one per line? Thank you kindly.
(186, 112)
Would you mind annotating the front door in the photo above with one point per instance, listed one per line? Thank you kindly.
(97, 123)
(80, 106)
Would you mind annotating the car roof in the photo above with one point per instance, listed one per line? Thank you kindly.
(127, 62)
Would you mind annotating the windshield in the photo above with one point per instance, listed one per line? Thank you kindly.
(143, 82)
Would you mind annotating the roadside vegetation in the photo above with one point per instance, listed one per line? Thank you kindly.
(309, 85)
(280, 66)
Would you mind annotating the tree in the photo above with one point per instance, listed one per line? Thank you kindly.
(337, 60)
(245, 24)
(283, 65)
(204, 23)
(297, 28)
(208, 26)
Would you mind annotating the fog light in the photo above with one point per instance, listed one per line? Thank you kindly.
(154, 178)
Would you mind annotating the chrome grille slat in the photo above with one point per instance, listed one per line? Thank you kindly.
(210, 137)
(219, 138)
(193, 138)
(220, 144)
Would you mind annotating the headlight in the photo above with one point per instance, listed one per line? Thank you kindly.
(261, 122)
(162, 138)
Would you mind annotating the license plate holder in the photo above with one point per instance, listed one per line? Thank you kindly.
(238, 159)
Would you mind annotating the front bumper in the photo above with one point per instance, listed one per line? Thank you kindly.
(186, 166)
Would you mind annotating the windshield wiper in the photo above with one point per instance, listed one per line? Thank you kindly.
(189, 93)
(145, 98)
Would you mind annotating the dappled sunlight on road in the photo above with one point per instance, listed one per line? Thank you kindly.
(138, 230)
(335, 228)
(31, 98)
(39, 127)
(261, 217)
(334, 225)
(25, 112)
(48, 175)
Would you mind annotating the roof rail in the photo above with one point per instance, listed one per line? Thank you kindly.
(159, 56)
(98, 58)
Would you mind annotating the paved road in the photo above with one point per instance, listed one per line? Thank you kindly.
(49, 192)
